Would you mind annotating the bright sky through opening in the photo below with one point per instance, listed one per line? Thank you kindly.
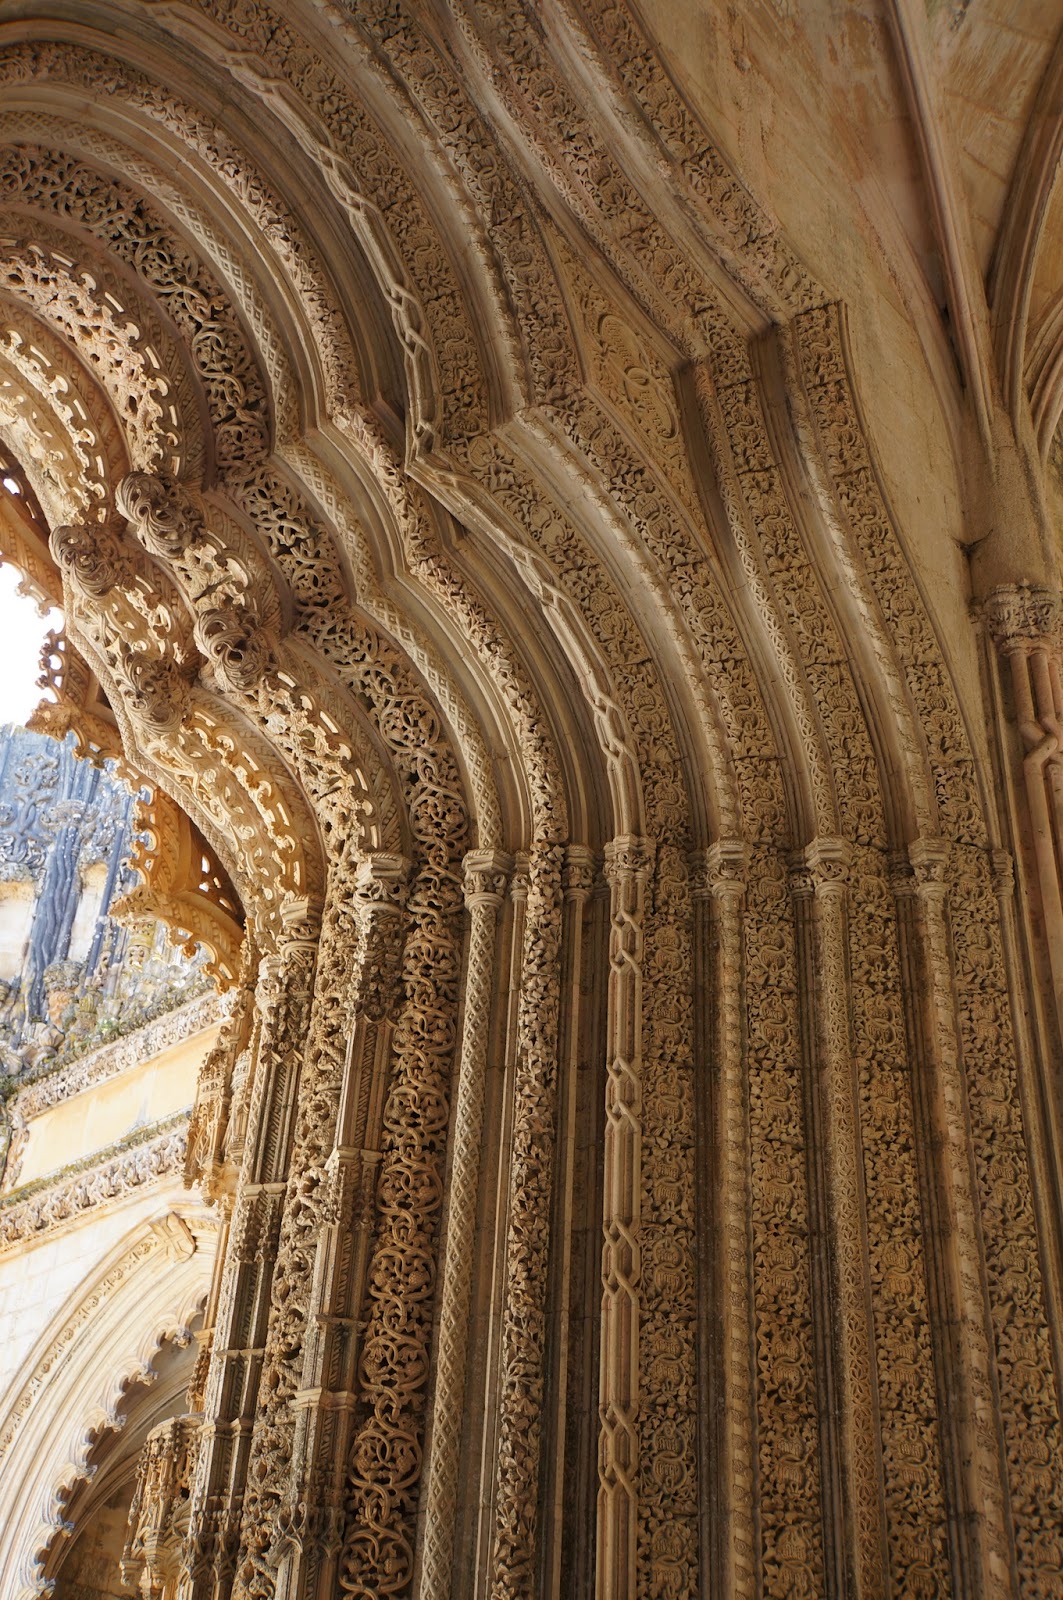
(22, 632)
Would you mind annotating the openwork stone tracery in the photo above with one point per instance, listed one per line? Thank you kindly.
(598, 870)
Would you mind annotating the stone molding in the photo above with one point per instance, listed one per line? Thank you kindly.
(155, 1153)
(97, 1066)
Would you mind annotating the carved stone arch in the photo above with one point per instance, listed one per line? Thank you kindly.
(118, 656)
(428, 607)
(604, 711)
(319, 295)
(812, 351)
(60, 452)
(88, 1544)
(622, 702)
(252, 813)
(66, 283)
(245, 280)
(446, 385)
(49, 393)
(226, 204)
(117, 1322)
(188, 341)
(474, 205)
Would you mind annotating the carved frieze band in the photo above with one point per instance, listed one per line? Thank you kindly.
(156, 1154)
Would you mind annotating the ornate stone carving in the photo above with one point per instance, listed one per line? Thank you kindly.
(151, 1560)
(184, 886)
(824, 1337)
(1021, 616)
(628, 867)
(91, 554)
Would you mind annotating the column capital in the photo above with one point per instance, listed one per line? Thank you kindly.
(821, 868)
(719, 871)
(380, 880)
(1023, 615)
(629, 854)
(579, 871)
(521, 879)
(921, 868)
(486, 875)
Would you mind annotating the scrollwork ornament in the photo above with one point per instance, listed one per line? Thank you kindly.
(162, 518)
(90, 554)
(237, 647)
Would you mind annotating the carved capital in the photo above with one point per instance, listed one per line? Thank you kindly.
(486, 875)
(1023, 615)
(287, 969)
(821, 868)
(719, 871)
(381, 880)
(579, 872)
(521, 879)
(930, 864)
(628, 856)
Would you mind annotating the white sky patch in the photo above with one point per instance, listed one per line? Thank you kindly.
(22, 633)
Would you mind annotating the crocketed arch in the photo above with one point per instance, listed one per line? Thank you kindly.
(88, 1546)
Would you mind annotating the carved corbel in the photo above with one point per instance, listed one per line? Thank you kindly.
(236, 645)
(156, 690)
(90, 555)
(160, 514)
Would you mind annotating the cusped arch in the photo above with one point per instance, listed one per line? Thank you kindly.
(71, 1383)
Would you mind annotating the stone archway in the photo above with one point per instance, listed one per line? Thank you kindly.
(464, 502)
